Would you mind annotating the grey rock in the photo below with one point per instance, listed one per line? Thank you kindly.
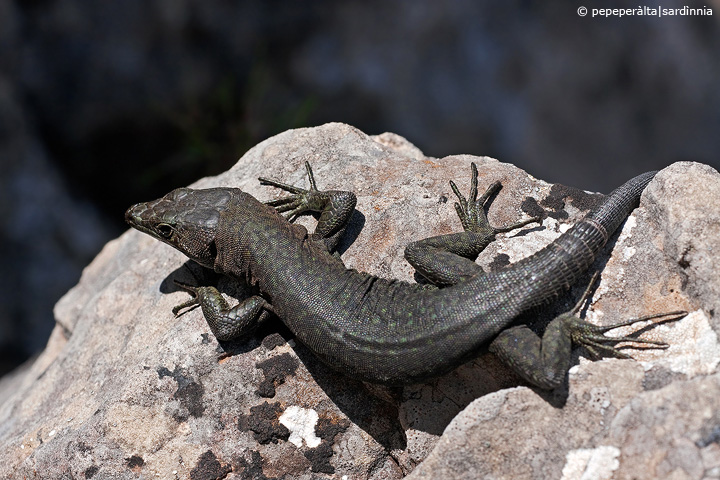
(654, 418)
(125, 390)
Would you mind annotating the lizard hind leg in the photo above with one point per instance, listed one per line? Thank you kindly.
(449, 259)
(544, 361)
(473, 211)
(593, 338)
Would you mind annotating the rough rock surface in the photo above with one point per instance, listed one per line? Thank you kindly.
(125, 390)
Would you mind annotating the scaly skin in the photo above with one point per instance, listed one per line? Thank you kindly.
(378, 330)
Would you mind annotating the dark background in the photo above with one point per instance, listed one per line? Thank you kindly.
(103, 104)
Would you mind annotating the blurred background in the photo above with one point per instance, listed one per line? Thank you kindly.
(103, 104)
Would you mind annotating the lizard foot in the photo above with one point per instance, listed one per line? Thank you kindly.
(192, 302)
(472, 211)
(225, 323)
(593, 337)
(302, 200)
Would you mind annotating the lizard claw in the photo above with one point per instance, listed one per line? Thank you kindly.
(193, 301)
(472, 211)
(302, 200)
(593, 338)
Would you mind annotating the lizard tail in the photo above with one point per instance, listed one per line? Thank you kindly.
(618, 205)
(544, 275)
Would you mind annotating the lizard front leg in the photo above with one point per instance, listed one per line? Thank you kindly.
(335, 207)
(544, 361)
(225, 323)
(450, 259)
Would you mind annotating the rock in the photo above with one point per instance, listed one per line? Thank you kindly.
(126, 390)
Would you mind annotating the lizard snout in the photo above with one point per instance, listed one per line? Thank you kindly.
(133, 215)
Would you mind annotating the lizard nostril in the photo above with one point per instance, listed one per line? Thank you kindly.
(133, 214)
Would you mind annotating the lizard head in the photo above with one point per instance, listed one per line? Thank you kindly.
(186, 219)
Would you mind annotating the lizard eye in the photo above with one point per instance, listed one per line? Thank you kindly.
(165, 230)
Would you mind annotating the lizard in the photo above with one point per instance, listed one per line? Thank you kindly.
(381, 330)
